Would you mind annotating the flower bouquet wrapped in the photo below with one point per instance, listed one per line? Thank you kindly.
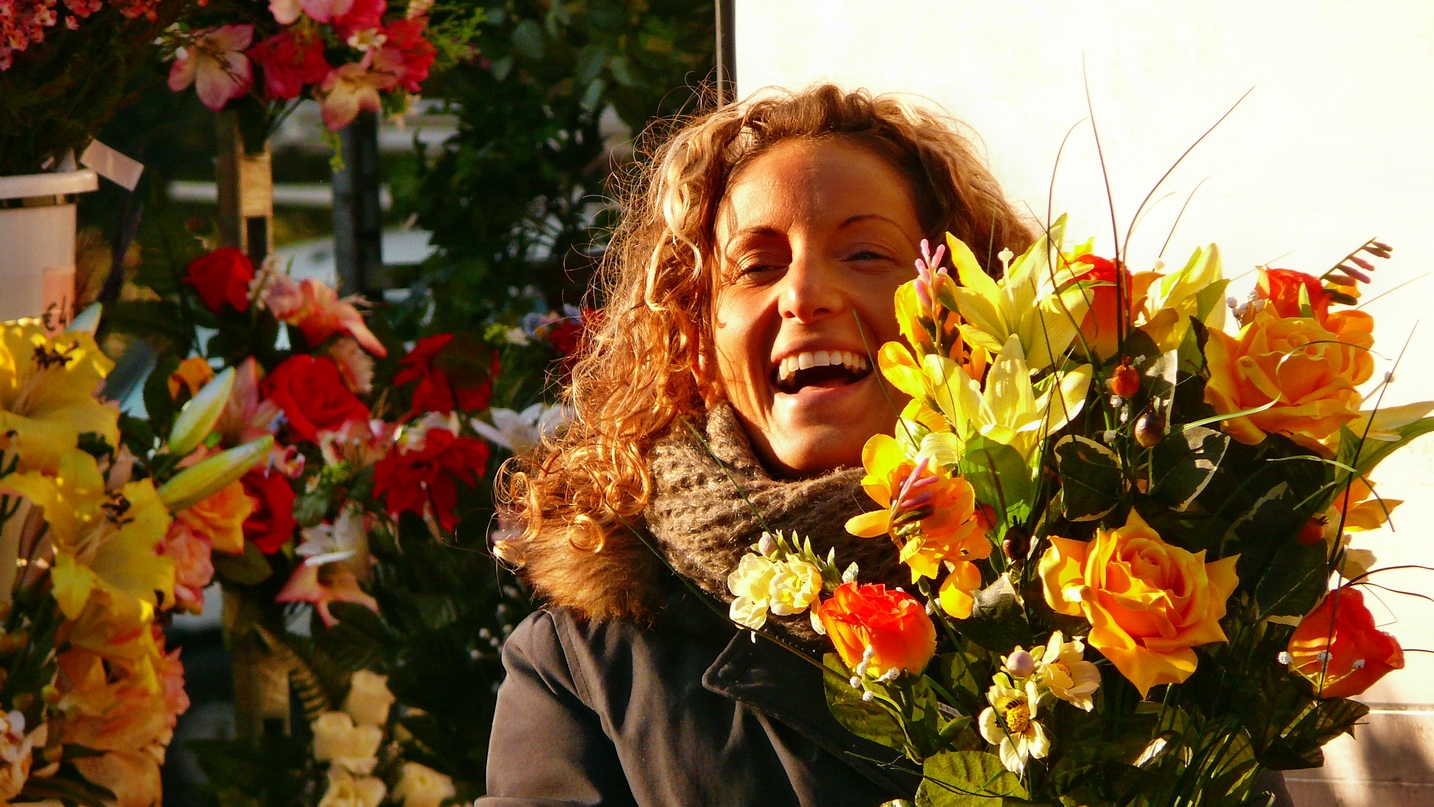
(1127, 531)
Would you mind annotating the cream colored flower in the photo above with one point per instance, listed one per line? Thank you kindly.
(1061, 668)
(751, 584)
(368, 699)
(347, 790)
(353, 748)
(794, 586)
(1010, 722)
(422, 786)
(15, 746)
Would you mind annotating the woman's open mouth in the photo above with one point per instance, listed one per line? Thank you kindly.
(820, 368)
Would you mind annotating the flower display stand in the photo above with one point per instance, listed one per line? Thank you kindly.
(37, 244)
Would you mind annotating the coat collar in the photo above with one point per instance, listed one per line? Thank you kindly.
(775, 681)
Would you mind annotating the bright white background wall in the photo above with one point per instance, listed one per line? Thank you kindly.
(1334, 145)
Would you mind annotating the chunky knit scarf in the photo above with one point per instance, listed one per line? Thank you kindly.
(703, 525)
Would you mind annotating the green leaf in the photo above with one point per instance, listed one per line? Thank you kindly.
(159, 322)
(69, 790)
(1294, 580)
(967, 779)
(1183, 463)
(528, 39)
(1374, 451)
(869, 721)
(1091, 482)
(999, 476)
(248, 569)
(157, 403)
(997, 621)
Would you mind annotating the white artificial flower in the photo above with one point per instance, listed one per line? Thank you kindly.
(348, 790)
(422, 786)
(368, 699)
(1061, 668)
(520, 431)
(751, 584)
(794, 586)
(344, 541)
(338, 741)
(1010, 722)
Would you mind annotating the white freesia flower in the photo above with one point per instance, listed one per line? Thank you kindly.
(368, 699)
(1061, 668)
(422, 786)
(520, 431)
(337, 740)
(794, 586)
(1010, 722)
(751, 584)
(348, 790)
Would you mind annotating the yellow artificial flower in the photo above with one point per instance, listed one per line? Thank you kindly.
(105, 540)
(47, 393)
(1025, 303)
(1010, 723)
(957, 592)
(1062, 669)
(1173, 300)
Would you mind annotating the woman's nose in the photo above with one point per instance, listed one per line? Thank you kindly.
(810, 290)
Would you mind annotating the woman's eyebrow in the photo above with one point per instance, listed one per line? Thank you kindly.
(860, 217)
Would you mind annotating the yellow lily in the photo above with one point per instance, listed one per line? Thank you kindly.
(102, 540)
(1025, 303)
(47, 393)
(1174, 299)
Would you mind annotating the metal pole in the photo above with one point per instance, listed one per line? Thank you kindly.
(358, 219)
(726, 51)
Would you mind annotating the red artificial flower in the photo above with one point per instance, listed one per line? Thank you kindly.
(312, 394)
(363, 15)
(437, 391)
(406, 53)
(223, 276)
(1339, 649)
(272, 523)
(423, 478)
(290, 61)
(893, 624)
(1281, 288)
(1101, 326)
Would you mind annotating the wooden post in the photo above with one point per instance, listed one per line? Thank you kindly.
(358, 218)
(246, 192)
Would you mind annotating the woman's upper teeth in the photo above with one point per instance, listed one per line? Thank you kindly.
(820, 358)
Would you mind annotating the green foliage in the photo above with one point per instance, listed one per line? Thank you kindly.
(515, 199)
(968, 779)
(1092, 482)
(274, 771)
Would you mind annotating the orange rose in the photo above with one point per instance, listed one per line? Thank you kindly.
(1148, 602)
(1310, 371)
(1358, 655)
(890, 626)
(219, 519)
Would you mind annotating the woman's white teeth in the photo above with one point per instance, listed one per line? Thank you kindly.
(820, 358)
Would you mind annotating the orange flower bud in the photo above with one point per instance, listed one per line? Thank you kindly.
(882, 629)
(1339, 649)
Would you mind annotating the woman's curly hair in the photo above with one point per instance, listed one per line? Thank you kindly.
(638, 371)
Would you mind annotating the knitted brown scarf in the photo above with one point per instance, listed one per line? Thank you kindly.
(703, 524)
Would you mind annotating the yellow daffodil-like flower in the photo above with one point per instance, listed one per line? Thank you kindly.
(1062, 669)
(102, 539)
(957, 595)
(47, 393)
(1010, 722)
(763, 585)
(929, 512)
(1148, 602)
(1008, 410)
(1024, 303)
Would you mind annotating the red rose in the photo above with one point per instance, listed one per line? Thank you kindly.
(437, 390)
(364, 15)
(406, 53)
(289, 62)
(312, 394)
(423, 477)
(222, 276)
(272, 522)
(1358, 655)
(1281, 289)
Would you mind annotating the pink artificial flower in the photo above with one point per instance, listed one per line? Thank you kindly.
(285, 11)
(357, 443)
(170, 672)
(361, 15)
(247, 416)
(317, 310)
(290, 61)
(351, 88)
(324, 583)
(406, 53)
(215, 63)
(355, 366)
(193, 565)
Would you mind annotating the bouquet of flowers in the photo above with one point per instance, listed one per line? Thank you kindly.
(1127, 531)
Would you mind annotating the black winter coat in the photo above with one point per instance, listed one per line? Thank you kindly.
(689, 712)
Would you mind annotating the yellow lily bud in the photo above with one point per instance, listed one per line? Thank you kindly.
(196, 420)
(195, 484)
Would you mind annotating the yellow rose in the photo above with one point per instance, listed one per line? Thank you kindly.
(1148, 603)
(1310, 371)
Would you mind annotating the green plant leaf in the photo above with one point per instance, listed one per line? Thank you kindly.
(999, 476)
(997, 621)
(869, 721)
(1183, 463)
(248, 569)
(1092, 484)
(967, 779)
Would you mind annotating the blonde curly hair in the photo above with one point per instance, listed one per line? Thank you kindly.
(639, 371)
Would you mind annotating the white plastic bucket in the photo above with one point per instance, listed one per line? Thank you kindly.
(37, 244)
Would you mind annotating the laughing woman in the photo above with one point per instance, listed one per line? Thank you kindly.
(731, 387)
